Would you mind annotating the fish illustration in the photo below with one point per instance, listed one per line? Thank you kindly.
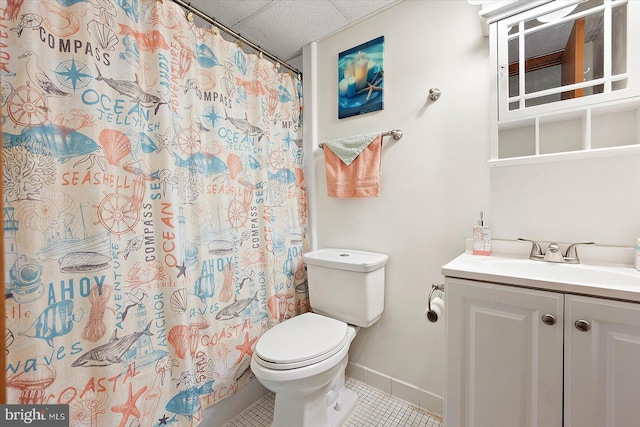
(235, 308)
(28, 20)
(187, 402)
(112, 352)
(149, 41)
(56, 320)
(203, 163)
(244, 126)
(132, 245)
(285, 176)
(57, 141)
(204, 287)
(133, 90)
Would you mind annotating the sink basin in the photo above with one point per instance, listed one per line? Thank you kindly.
(614, 281)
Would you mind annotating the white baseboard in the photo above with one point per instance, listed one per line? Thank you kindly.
(411, 394)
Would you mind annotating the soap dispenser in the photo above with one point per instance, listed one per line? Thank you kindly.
(481, 237)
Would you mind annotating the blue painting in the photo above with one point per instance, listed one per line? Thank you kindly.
(361, 79)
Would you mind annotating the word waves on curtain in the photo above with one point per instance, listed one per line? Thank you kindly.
(154, 209)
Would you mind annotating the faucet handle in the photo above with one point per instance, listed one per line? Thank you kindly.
(536, 250)
(571, 255)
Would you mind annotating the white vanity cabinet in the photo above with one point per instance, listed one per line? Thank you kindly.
(503, 364)
(602, 365)
(510, 364)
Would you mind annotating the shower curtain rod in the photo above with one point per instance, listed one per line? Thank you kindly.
(212, 21)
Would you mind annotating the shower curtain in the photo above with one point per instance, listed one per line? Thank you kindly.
(154, 209)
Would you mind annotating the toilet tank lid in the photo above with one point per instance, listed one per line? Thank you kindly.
(346, 259)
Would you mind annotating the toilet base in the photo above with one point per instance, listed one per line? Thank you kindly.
(336, 414)
(347, 403)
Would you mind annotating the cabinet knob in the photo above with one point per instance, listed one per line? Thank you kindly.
(548, 319)
(582, 325)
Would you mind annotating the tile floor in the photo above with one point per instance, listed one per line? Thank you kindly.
(375, 409)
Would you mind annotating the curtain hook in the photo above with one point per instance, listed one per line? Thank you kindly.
(277, 65)
(189, 13)
(239, 44)
(215, 30)
(260, 54)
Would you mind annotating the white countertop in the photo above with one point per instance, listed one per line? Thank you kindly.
(605, 271)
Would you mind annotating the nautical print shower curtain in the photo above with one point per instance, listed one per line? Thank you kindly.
(154, 209)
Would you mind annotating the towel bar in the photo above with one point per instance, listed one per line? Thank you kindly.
(395, 133)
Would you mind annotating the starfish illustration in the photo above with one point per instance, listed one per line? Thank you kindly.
(129, 407)
(245, 347)
(182, 269)
(163, 420)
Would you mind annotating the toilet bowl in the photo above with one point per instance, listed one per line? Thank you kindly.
(308, 377)
(303, 359)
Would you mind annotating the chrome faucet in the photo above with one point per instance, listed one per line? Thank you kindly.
(553, 253)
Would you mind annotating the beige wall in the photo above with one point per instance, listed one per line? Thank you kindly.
(434, 180)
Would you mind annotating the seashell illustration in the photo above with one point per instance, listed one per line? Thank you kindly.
(76, 262)
(228, 86)
(205, 56)
(8, 339)
(283, 94)
(116, 145)
(103, 35)
(183, 338)
(179, 300)
(234, 163)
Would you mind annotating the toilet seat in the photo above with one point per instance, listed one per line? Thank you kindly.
(302, 341)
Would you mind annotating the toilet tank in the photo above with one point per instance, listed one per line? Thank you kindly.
(346, 284)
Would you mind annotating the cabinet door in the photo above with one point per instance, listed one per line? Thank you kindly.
(602, 365)
(503, 365)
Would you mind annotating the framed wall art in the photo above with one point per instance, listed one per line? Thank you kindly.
(361, 79)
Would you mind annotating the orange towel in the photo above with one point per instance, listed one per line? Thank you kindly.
(359, 179)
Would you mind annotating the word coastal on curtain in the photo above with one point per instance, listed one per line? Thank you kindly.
(154, 209)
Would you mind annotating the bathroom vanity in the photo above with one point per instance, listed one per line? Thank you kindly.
(533, 343)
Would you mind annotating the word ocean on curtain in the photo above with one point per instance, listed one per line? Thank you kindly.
(154, 209)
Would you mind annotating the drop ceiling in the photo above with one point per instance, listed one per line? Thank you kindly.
(283, 27)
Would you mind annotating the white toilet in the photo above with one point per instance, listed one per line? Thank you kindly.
(304, 358)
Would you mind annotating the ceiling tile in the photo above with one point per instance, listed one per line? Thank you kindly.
(230, 12)
(287, 25)
(356, 9)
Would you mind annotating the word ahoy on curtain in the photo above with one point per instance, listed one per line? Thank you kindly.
(155, 209)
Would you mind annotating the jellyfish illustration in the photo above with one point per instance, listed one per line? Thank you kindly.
(33, 383)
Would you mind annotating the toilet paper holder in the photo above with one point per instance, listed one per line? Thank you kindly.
(432, 315)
